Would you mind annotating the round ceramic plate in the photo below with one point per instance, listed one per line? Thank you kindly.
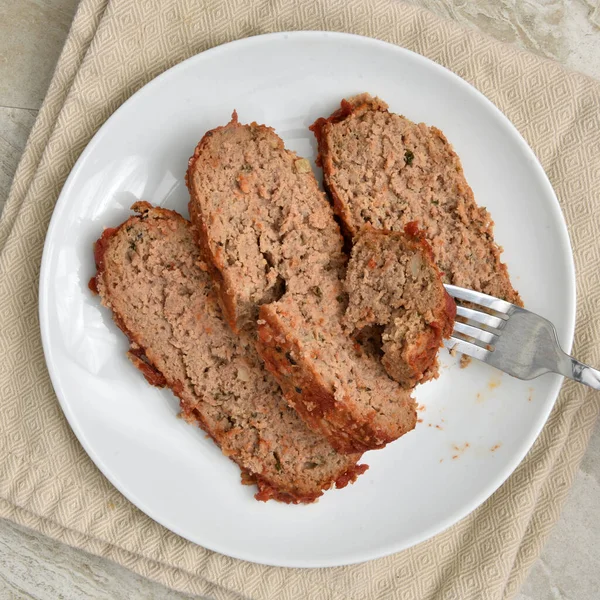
(477, 424)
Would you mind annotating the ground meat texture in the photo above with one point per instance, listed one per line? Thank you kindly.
(150, 275)
(395, 288)
(384, 170)
(275, 254)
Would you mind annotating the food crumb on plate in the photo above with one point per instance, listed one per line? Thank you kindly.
(465, 361)
(494, 383)
(459, 449)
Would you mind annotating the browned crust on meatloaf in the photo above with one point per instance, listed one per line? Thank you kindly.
(214, 260)
(136, 353)
(266, 490)
(287, 440)
(410, 173)
(394, 284)
(261, 219)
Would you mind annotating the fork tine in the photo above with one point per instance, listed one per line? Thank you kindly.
(479, 317)
(479, 335)
(467, 348)
(478, 298)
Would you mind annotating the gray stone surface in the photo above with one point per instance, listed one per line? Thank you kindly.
(32, 33)
(34, 566)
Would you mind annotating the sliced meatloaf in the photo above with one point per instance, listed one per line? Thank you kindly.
(275, 252)
(150, 275)
(395, 288)
(384, 170)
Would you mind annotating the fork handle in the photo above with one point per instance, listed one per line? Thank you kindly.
(573, 369)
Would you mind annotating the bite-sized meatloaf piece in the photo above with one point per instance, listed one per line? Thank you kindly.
(151, 277)
(275, 252)
(384, 170)
(395, 287)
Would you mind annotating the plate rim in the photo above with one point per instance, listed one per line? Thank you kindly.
(384, 550)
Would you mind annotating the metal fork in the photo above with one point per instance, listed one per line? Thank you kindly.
(512, 339)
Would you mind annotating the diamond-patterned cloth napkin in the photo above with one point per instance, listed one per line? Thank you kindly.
(47, 482)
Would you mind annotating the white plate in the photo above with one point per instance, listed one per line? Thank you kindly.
(478, 424)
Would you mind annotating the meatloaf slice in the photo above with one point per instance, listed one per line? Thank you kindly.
(275, 252)
(263, 225)
(384, 170)
(151, 277)
(339, 391)
(395, 287)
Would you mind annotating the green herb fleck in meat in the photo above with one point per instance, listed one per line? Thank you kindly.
(317, 291)
(409, 157)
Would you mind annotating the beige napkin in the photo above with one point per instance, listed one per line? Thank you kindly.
(47, 482)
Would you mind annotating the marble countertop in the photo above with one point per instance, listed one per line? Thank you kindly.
(32, 33)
